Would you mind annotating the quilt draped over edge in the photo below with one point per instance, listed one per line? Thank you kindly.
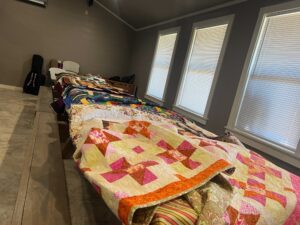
(137, 164)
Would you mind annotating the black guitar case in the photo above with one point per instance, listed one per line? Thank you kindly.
(34, 78)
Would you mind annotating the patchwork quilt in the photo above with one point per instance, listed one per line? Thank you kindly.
(84, 117)
(153, 166)
(137, 165)
(88, 97)
(66, 82)
(262, 193)
(88, 81)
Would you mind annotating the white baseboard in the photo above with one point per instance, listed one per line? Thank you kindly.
(10, 87)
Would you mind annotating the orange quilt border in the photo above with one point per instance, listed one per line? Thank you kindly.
(173, 189)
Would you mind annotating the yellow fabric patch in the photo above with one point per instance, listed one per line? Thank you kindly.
(84, 101)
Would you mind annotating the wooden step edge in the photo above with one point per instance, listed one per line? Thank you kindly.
(21, 197)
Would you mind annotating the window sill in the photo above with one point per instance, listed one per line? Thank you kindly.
(190, 115)
(155, 100)
(267, 147)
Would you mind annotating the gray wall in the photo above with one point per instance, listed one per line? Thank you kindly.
(98, 42)
(241, 33)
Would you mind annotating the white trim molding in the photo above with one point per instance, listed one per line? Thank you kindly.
(153, 99)
(115, 15)
(191, 115)
(199, 12)
(269, 147)
(199, 25)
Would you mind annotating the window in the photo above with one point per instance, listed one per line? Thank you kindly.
(267, 105)
(202, 66)
(161, 64)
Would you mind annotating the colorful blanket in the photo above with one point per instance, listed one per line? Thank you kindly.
(87, 82)
(87, 97)
(262, 194)
(85, 117)
(137, 165)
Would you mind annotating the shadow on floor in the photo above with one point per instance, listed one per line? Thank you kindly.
(16, 130)
(47, 180)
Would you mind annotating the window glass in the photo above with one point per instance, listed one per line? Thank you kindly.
(161, 65)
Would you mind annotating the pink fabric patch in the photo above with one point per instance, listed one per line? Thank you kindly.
(274, 172)
(257, 159)
(246, 208)
(164, 145)
(258, 174)
(120, 195)
(258, 197)
(148, 177)
(185, 146)
(113, 176)
(138, 149)
(294, 218)
(254, 183)
(119, 164)
(191, 164)
(167, 159)
(277, 197)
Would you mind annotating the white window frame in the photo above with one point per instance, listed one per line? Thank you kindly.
(200, 25)
(161, 33)
(263, 145)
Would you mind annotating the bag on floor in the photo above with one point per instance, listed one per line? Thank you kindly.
(32, 84)
(34, 78)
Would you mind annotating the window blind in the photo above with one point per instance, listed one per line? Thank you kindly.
(271, 104)
(161, 65)
(200, 68)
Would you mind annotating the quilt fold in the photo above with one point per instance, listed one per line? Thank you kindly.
(137, 164)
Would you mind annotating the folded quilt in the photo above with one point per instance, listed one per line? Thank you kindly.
(203, 206)
(87, 97)
(88, 82)
(81, 80)
(137, 165)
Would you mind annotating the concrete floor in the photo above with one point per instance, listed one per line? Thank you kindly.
(17, 112)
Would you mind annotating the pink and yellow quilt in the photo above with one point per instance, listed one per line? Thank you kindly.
(141, 161)
(263, 193)
(137, 164)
